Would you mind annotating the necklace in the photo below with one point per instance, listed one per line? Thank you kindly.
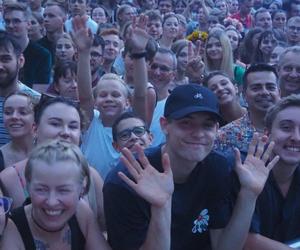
(44, 229)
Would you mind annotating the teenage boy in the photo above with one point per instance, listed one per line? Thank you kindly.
(170, 197)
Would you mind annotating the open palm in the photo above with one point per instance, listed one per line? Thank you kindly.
(254, 172)
(152, 185)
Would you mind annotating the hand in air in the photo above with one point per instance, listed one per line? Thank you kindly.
(81, 35)
(152, 185)
(138, 37)
(195, 65)
(254, 172)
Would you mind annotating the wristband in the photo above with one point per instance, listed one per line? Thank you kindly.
(138, 55)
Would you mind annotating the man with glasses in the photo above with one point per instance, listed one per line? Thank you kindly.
(78, 8)
(162, 71)
(17, 23)
(293, 31)
(175, 196)
(129, 130)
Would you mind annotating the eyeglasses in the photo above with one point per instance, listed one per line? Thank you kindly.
(5, 204)
(139, 131)
(78, 1)
(162, 68)
(294, 28)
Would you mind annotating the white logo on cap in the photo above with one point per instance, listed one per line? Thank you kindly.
(198, 96)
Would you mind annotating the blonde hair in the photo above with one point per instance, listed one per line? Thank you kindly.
(227, 57)
(54, 151)
(111, 77)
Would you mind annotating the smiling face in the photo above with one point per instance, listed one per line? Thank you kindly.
(289, 73)
(135, 129)
(267, 45)
(171, 27)
(111, 99)
(10, 64)
(59, 121)
(214, 49)
(18, 116)
(154, 28)
(54, 191)
(112, 47)
(223, 89)
(285, 132)
(191, 138)
(233, 38)
(262, 91)
(67, 85)
(182, 59)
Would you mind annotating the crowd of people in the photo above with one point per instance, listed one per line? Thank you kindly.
(149, 124)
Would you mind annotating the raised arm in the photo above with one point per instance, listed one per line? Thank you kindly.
(252, 174)
(156, 188)
(83, 39)
(142, 103)
(195, 66)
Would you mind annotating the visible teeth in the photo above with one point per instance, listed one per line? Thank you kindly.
(294, 149)
(53, 212)
(16, 126)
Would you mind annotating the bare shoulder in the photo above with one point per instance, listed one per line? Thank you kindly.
(11, 237)
(89, 227)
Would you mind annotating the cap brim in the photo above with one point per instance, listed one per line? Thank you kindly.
(189, 110)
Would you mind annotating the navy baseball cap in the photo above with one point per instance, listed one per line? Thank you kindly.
(191, 98)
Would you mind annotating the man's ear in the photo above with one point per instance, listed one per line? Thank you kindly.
(164, 125)
(21, 60)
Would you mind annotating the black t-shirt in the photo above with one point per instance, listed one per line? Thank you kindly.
(278, 217)
(196, 205)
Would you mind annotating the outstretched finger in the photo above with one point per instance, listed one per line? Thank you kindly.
(142, 157)
(253, 143)
(127, 154)
(268, 151)
(197, 49)
(273, 162)
(261, 146)
(190, 51)
(142, 22)
(134, 22)
(131, 169)
(166, 163)
(128, 181)
(238, 161)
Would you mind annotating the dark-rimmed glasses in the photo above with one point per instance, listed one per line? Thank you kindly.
(139, 131)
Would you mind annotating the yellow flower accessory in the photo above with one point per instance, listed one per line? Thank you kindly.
(196, 35)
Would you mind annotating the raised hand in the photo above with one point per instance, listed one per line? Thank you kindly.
(254, 172)
(81, 35)
(152, 185)
(138, 36)
(195, 65)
